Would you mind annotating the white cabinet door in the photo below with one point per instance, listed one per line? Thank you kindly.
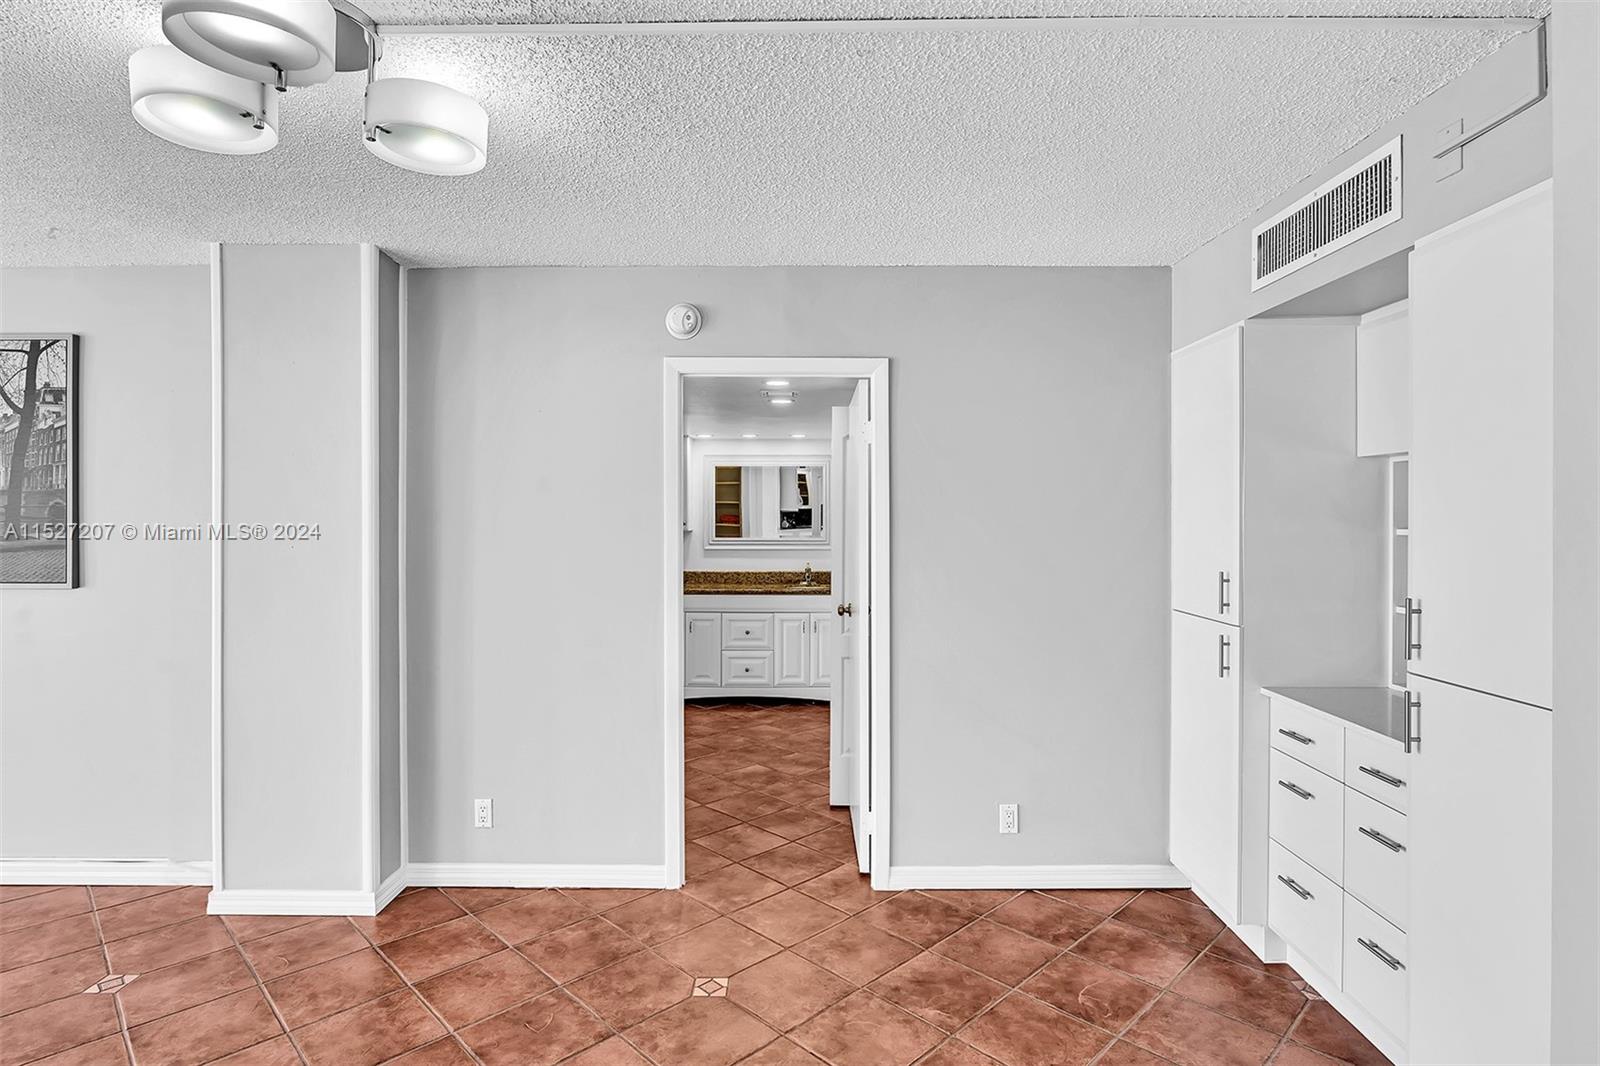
(792, 641)
(702, 649)
(1481, 467)
(1205, 758)
(822, 653)
(1205, 477)
(1480, 849)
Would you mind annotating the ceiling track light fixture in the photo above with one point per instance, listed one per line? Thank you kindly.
(210, 90)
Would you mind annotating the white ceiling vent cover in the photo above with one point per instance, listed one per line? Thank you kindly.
(1347, 207)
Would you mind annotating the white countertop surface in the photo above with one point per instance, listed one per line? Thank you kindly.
(1376, 708)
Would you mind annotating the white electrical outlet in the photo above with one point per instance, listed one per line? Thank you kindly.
(1008, 817)
(483, 814)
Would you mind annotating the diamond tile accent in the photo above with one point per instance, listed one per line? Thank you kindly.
(716, 987)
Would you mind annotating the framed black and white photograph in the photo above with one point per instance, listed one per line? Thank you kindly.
(38, 472)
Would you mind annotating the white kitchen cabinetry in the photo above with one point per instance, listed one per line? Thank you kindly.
(773, 653)
(1279, 546)
(1480, 837)
(1205, 754)
(1481, 451)
(1479, 636)
(1383, 381)
(1339, 864)
(1205, 476)
(702, 649)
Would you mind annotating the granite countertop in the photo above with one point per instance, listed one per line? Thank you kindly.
(756, 583)
(1376, 708)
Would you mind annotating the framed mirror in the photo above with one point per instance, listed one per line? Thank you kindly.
(762, 501)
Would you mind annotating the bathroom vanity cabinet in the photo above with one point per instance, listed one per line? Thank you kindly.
(758, 648)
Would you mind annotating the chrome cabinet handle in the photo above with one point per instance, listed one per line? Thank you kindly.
(1383, 956)
(1223, 581)
(1224, 660)
(1298, 738)
(1413, 629)
(1297, 790)
(1294, 887)
(1373, 834)
(1392, 782)
(1413, 739)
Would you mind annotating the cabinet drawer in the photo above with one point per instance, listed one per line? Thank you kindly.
(1375, 961)
(1306, 909)
(1378, 767)
(1307, 814)
(742, 668)
(1373, 869)
(1308, 736)
(747, 631)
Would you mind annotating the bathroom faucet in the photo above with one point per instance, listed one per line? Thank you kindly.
(806, 577)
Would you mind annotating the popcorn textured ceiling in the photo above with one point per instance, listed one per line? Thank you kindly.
(1106, 142)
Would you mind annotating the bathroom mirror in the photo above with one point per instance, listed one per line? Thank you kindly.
(763, 502)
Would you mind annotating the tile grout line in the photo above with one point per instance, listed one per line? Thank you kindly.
(377, 949)
(116, 997)
(261, 986)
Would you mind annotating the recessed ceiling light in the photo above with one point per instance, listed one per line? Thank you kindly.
(748, 436)
(798, 436)
(777, 384)
(781, 400)
(426, 127)
(703, 436)
(182, 100)
(266, 41)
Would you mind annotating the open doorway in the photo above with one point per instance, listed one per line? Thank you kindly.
(775, 560)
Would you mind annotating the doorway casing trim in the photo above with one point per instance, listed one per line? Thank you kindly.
(876, 372)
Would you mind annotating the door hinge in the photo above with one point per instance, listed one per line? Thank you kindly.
(869, 432)
(869, 822)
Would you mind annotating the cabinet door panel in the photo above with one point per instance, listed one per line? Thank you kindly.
(1205, 758)
(702, 649)
(822, 653)
(1480, 847)
(1205, 477)
(791, 637)
(1481, 444)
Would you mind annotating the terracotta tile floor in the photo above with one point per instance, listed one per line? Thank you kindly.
(776, 952)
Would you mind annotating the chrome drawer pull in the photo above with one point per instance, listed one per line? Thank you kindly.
(1383, 956)
(1296, 737)
(1373, 834)
(1223, 603)
(1297, 790)
(1294, 887)
(1392, 782)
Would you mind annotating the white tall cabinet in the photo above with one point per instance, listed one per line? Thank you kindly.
(1278, 558)
(1480, 634)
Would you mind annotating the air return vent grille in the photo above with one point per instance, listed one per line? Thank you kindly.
(1344, 209)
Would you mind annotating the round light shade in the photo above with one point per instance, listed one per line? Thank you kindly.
(262, 40)
(426, 127)
(186, 102)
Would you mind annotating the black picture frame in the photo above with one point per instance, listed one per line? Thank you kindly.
(39, 526)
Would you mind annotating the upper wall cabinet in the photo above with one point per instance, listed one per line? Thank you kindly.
(1481, 451)
(1383, 381)
(1205, 477)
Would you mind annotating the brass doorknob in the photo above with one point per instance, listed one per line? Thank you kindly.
(846, 608)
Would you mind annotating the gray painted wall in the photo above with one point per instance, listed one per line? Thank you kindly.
(104, 689)
(1211, 286)
(388, 564)
(1030, 549)
(291, 675)
(1575, 92)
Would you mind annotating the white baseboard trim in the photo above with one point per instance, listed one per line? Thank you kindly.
(392, 886)
(535, 875)
(103, 872)
(292, 901)
(1392, 1046)
(1158, 875)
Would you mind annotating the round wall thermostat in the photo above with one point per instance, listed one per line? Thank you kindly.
(683, 321)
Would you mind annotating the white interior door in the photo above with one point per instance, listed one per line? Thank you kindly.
(1481, 468)
(1205, 478)
(1479, 831)
(851, 712)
